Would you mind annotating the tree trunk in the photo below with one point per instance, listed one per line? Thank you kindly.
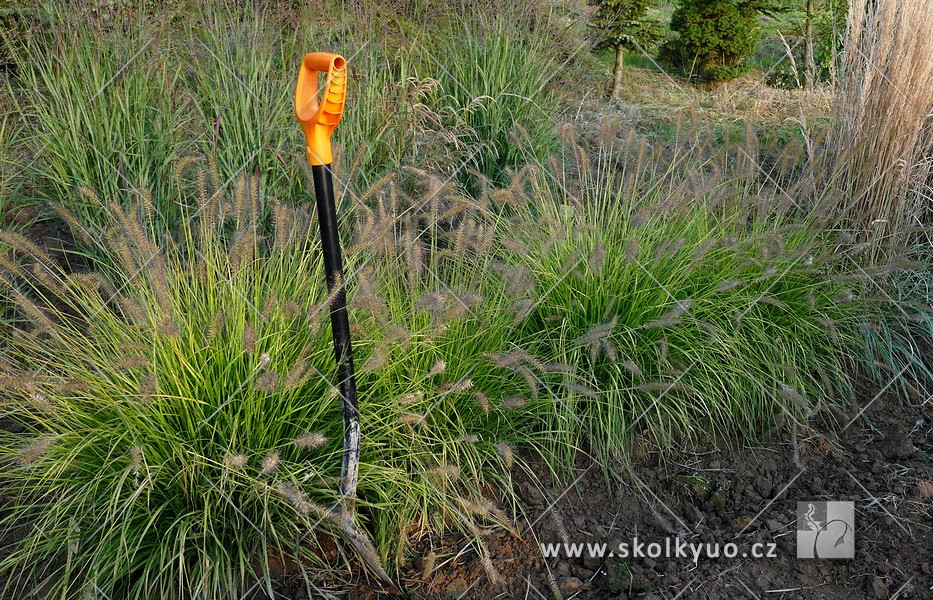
(617, 72)
(810, 74)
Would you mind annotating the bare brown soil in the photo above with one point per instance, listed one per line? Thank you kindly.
(883, 462)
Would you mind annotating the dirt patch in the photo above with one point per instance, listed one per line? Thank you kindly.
(745, 496)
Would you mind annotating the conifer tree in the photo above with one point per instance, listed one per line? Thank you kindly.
(623, 25)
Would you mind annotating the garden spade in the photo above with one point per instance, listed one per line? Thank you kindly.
(319, 117)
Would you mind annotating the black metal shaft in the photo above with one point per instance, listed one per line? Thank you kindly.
(340, 326)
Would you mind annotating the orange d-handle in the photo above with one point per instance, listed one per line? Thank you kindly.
(319, 116)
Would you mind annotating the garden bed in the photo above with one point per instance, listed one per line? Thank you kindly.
(575, 320)
(883, 462)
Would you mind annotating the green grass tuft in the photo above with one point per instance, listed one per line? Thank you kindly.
(184, 435)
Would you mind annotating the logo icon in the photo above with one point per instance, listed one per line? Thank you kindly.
(825, 529)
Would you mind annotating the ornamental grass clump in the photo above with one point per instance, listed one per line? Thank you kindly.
(694, 303)
(182, 430)
(878, 162)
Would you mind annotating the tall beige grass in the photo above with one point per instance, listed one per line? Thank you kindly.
(883, 147)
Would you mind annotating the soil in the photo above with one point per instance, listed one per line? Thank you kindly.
(883, 463)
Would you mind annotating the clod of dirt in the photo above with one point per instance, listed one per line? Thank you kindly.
(897, 446)
(880, 589)
(925, 490)
(571, 585)
(531, 494)
(591, 563)
(774, 525)
(457, 588)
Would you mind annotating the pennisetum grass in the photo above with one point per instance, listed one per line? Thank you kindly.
(690, 303)
(210, 368)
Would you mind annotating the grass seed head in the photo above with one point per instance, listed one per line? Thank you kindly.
(552, 585)
(134, 312)
(36, 449)
(267, 382)
(444, 472)
(168, 329)
(21, 244)
(296, 375)
(271, 462)
(522, 308)
(427, 568)
(413, 420)
(49, 280)
(216, 325)
(730, 285)
(482, 400)
(505, 452)
(378, 360)
(558, 521)
(494, 576)
(434, 302)
(136, 457)
(311, 441)
(437, 368)
(75, 226)
(530, 379)
(793, 396)
(631, 367)
(128, 363)
(456, 388)
(505, 360)
(9, 267)
(42, 321)
(711, 330)
(597, 257)
(336, 288)
(514, 402)
(583, 390)
(235, 462)
(293, 496)
(514, 247)
(771, 300)
(73, 385)
(270, 306)
(844, 296)
(410, 398)
(249, 338)
(146, 389)
(557, 367)
(41, 402)
(121, 248)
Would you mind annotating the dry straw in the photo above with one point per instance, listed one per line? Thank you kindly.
(883, 147)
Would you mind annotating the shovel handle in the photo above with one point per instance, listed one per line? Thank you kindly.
(319, 115)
